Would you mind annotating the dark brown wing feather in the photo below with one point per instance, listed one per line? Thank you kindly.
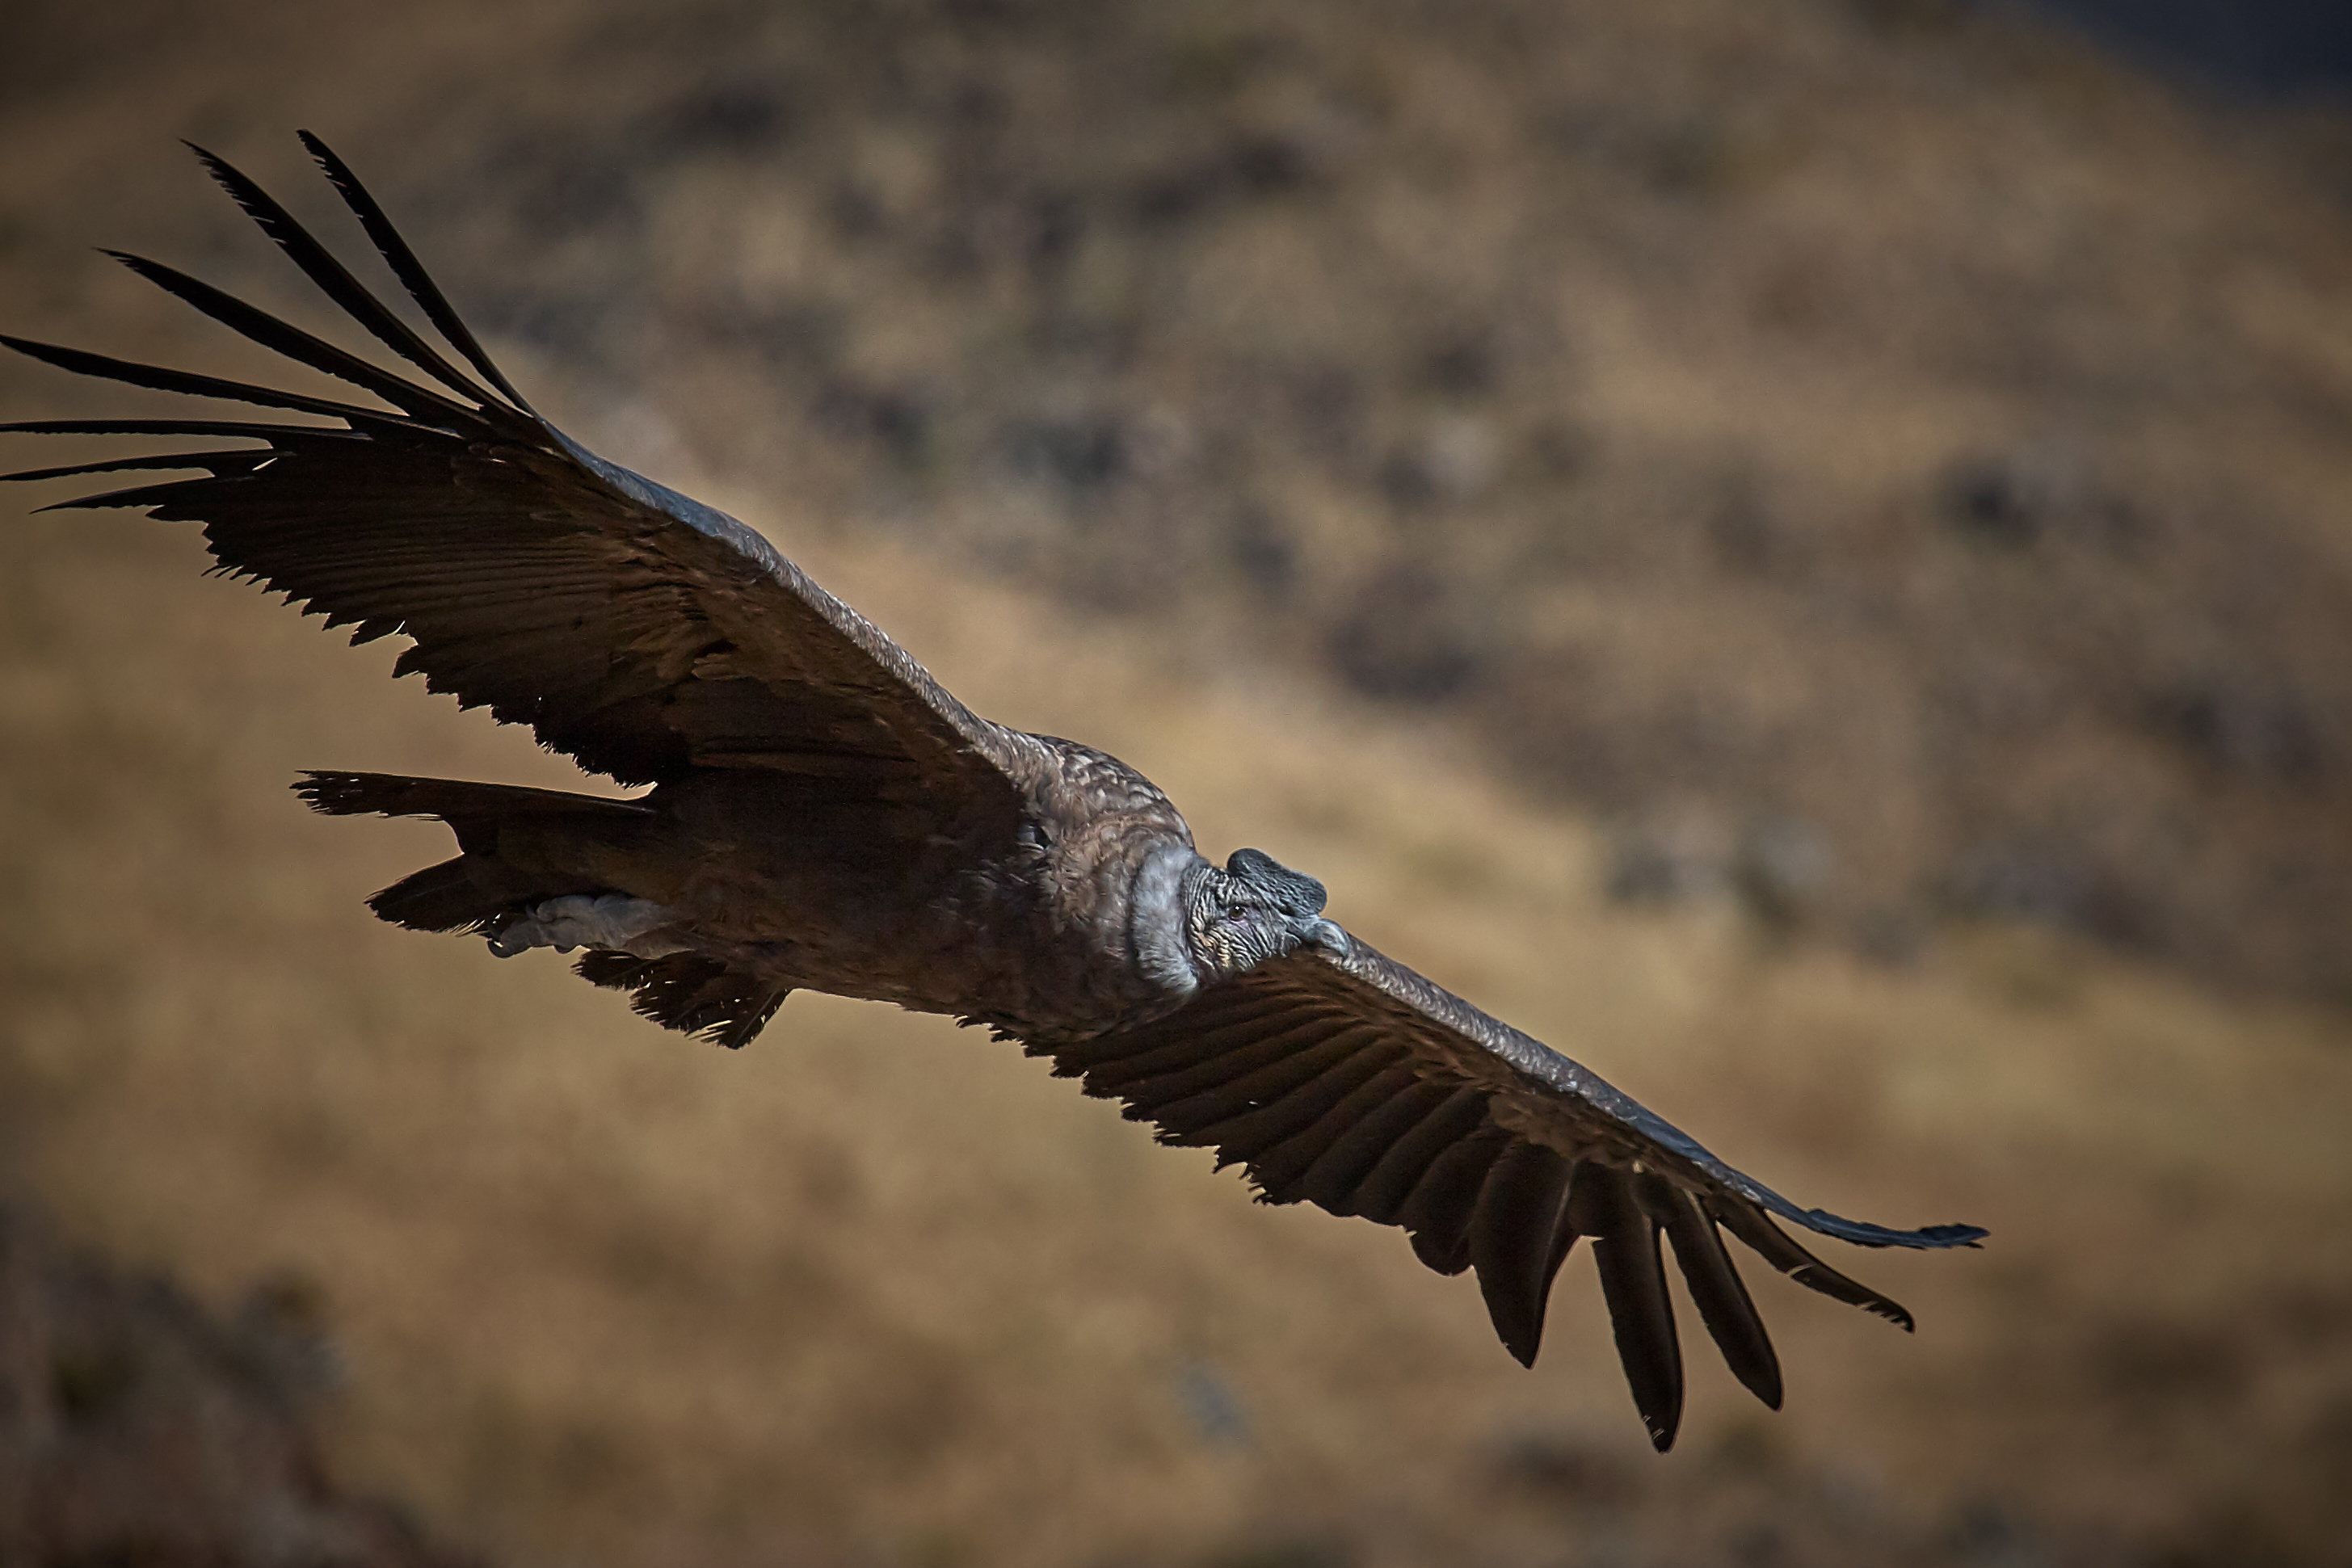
(647, 635)
(1634, 1283)
(638, 631)
(1355, 1084)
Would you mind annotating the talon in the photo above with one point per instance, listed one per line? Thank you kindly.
(611, 922)
(515, 938)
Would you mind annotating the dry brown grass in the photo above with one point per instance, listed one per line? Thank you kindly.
(885, 1289)
(875, 1291)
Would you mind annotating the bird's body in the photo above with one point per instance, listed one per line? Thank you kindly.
(824, 816)
(1053, 920)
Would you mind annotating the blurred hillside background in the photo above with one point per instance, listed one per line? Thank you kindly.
(1797, 549)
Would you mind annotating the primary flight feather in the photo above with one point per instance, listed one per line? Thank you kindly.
(823, 816)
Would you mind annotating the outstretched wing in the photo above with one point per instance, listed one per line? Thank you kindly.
(638, 631)
(1355, 1084)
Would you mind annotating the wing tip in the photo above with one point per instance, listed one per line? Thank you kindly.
(408, 270)
(1869, 1301)
(1862, 1233)
(1956, 1233)
(226, 175)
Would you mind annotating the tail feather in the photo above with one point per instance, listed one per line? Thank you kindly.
(396, 794)
(442, 897)
(477, 892)
(472, 894)
(690, 993)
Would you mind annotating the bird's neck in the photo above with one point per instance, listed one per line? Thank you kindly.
(1156, 901)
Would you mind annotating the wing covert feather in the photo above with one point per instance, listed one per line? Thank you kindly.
(1354, 1083)
(629, 626)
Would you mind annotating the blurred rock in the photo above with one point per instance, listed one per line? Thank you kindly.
(1672, 855)
(1574, 1470)
(1983, 1533)
(1452, 460)
(751, 116)
(2004, 502)
(896, 419)
(1778, 865)
(1263, 552)
(1784, 867)
(1250, 168)
(2255, 728)
(136, 1428)
(1081, 454)
(1405, 637)
(1212, 1407)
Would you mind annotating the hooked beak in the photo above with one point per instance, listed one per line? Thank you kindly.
(1324, 936)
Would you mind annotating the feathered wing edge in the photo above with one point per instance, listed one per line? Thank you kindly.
(1358, 1085)
(473, 409)
(820, 660)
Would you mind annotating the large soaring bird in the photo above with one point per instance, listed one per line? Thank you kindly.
(825, 817)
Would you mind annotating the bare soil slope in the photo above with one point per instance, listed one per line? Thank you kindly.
(878, 1292)
(139, 1428)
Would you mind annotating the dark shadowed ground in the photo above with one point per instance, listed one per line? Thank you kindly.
(1797, 550)
(139, 1427)
(2257, 49)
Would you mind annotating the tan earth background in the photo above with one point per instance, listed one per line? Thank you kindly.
(1797, 549)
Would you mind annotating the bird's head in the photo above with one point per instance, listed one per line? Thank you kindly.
(1255, 909)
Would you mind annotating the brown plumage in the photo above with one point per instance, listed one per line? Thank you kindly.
(824, 816)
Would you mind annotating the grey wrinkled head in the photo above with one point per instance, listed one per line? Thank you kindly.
(1255, 909)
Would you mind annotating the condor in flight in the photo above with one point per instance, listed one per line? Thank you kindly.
(825, 817)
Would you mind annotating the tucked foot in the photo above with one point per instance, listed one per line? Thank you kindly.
(614, 922)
